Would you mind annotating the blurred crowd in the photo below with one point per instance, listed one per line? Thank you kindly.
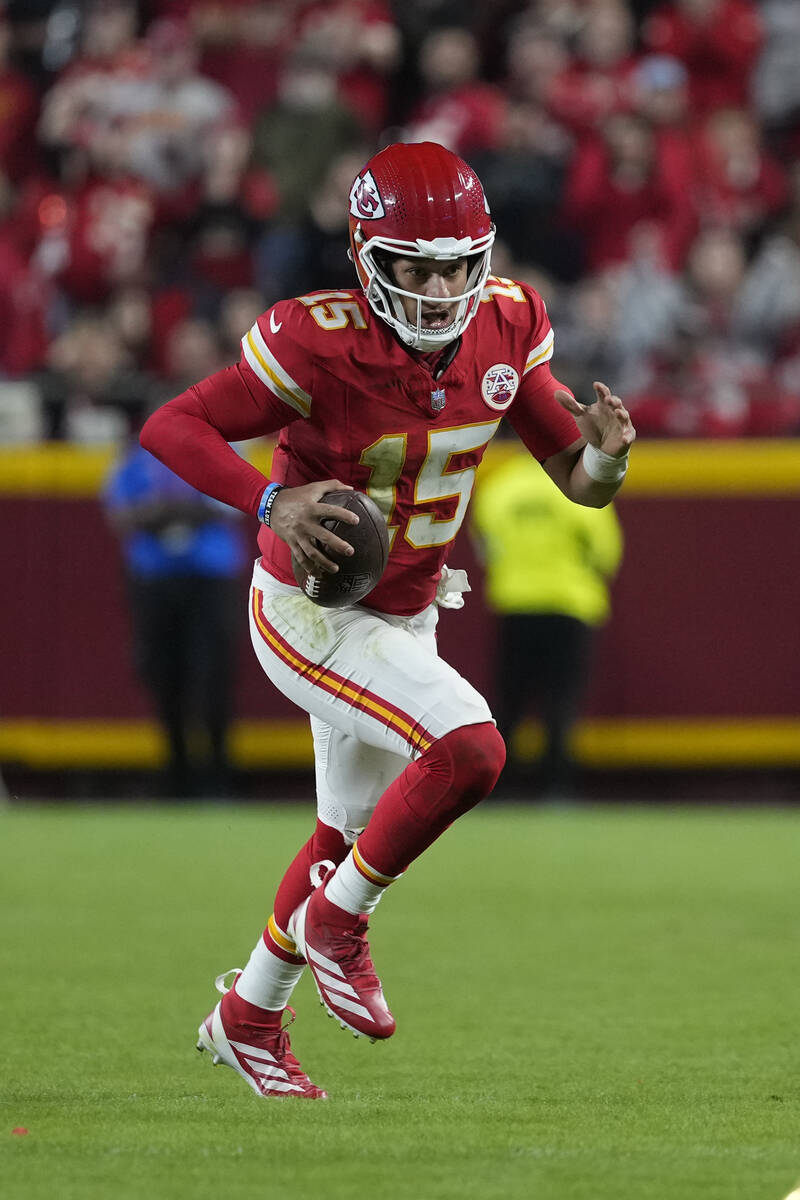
(170, 168)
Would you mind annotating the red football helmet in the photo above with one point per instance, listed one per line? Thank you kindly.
(419, 200)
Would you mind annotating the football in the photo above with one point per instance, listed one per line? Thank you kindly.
(358, 573)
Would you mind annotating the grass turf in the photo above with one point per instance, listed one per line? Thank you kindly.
(591, 1005)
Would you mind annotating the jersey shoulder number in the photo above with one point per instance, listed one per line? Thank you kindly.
(335, 310)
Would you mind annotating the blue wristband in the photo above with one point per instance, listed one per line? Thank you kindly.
(267, 501)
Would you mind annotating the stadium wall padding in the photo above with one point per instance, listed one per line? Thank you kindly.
(699, 665)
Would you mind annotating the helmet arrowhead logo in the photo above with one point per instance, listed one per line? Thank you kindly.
(365, 199)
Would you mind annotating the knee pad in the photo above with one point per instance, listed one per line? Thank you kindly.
(465, 764)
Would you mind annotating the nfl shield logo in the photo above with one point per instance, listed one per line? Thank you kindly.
(438, 398)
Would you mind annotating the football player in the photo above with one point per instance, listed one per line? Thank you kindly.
(395, 389)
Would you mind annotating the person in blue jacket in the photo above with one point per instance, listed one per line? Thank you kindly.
(183, 556)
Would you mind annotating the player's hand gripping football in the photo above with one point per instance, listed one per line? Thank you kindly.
(605, 422)
(297, 517)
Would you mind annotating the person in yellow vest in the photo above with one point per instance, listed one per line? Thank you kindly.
(549, 564)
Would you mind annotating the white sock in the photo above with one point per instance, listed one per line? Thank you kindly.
(267, 981)
(350, 888)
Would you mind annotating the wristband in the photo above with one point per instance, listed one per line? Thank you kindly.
(602, 467)
(267, 501)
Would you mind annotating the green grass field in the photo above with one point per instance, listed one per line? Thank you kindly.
(591, 1005)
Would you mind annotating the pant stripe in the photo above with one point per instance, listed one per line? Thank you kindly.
(336, 685)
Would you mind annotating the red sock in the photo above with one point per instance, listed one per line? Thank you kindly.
(326, 842)
(452, 776)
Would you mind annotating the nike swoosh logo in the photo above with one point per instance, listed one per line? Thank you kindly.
(273, 324)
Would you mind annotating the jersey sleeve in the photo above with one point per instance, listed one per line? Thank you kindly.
(538, 418)
(256, 397)
(276, 352)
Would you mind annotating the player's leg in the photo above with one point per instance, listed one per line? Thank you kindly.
(350, 777)
(451, 776)
(248, 1028)
(379, 681)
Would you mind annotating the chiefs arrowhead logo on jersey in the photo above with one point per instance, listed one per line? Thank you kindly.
(499, 386)
(365, 199)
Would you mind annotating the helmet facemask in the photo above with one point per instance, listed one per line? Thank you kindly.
(373, 260)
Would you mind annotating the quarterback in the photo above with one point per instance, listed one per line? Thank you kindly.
(395, 389)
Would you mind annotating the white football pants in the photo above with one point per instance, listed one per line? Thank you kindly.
(373, 685)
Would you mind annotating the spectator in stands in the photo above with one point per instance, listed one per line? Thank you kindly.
(712, 368)
(456, 108)
(90, 390)
(660, 93)
(312, 253)
(589, 331)
(191, 343)
(548, 569)
(738, 182)
(770, 297)
(111, 60)
(619, 181)
(360, 42)
(524, 174)
(718, 41)
(534, 57)
(165, 119)
(296, 138)
(25, 295)
(776, 85)
(147, 96)
(130, 313)
(109, 219)
(606, 151)
(242, 45)
(564, 18)
(19, 106)
(238, 312)
(225, 219)
(598, 82)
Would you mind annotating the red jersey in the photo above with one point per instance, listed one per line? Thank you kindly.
(351, 403)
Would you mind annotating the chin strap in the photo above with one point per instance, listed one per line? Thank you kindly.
(446, 357)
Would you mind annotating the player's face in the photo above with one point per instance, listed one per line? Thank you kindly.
(435, 282)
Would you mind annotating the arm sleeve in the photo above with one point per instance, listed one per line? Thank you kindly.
(190, 434)
(542, 424)
(539, 420)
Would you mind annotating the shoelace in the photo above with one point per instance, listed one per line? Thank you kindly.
(261, 1033)
(351, 947)
(277, 1042)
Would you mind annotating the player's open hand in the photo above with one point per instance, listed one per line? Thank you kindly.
(297, 517)
(605, 423)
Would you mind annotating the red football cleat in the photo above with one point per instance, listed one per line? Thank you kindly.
(334, 945)
(263, 1057)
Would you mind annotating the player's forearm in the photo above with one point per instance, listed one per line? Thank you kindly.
(569, 472)
(592, 493)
